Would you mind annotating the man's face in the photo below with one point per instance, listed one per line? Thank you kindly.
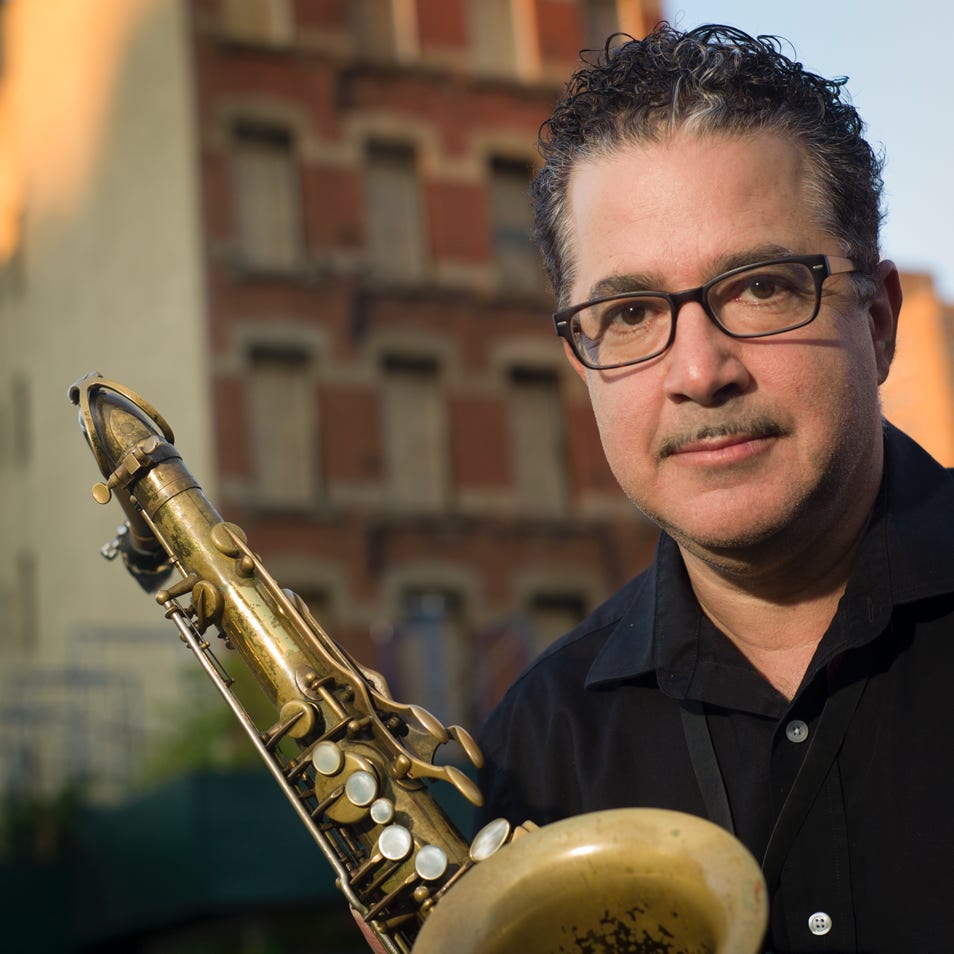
(729, 444)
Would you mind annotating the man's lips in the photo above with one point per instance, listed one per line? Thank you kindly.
(740, 438)
(696, 447)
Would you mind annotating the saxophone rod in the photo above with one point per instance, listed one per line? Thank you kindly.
(175, 613)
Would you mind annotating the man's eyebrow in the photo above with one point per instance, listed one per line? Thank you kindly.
(620, 284)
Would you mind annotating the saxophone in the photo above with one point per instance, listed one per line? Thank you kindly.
(357, 766)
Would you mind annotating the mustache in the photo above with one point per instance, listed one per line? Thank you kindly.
(754, 428)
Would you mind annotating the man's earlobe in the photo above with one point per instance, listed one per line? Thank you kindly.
(574, 361)
(884, 311)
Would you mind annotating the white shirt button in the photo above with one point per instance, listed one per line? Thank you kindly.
(819, 923)
(796, 731)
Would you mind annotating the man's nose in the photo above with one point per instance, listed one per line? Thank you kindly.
(704, 364)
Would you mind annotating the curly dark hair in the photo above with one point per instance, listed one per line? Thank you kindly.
(712, 79)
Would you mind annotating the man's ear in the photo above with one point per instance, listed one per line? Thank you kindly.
(574, 361)
(883, 313)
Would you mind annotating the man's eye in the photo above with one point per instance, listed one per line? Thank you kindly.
(762, 289)
(628, 314)
(765, 288)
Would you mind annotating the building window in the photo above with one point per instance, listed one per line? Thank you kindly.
(425, 660)
(600, 22)
(267, 197)
(259, 21)
(283, 414)
(22, 407)
(415, 433)
(394, 214)
(26, 603)
(537, 442)
(493, 38)
(16, 424)
(517, 262)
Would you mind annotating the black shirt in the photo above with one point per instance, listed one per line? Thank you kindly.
(865, 850)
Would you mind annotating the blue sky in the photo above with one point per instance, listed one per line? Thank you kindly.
(898, 61)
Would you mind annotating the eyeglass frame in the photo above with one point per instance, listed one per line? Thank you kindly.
(820, 266)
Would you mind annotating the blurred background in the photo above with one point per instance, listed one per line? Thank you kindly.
(299, 229)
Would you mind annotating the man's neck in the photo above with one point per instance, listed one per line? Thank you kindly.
(776, 618)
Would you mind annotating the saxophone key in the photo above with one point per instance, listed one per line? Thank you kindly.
(296, 720)
(382, 811)
(490, 839)
(430, 863)
(227, 538)
(328, 758)
(361, 788)
(395, 843)
(431, 724)
(207, 604)
(468, 743)
(185, 585)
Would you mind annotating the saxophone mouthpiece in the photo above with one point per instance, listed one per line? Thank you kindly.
(117, 423)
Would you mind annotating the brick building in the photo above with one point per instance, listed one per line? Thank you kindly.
(396, 427)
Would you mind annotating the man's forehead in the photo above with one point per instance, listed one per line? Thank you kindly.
(656, 154)
(718, 201)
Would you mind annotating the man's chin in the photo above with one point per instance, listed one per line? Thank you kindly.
(727, 536)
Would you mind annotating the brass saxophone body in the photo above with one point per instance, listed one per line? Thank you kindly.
(357, 765)
(358, 780)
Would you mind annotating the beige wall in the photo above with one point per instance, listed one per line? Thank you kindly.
(113, 286)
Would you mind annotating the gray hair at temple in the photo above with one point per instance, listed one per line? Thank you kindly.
(710, 80)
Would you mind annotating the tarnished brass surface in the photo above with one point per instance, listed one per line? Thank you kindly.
(320, 695)
(636, 880)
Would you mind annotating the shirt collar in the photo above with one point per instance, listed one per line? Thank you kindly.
(906, 555)
(919, 520)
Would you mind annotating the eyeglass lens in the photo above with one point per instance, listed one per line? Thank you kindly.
(763, 300)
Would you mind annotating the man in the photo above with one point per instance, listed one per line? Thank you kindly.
(783, 665)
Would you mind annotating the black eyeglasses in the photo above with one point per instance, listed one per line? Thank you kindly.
(754, 301)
